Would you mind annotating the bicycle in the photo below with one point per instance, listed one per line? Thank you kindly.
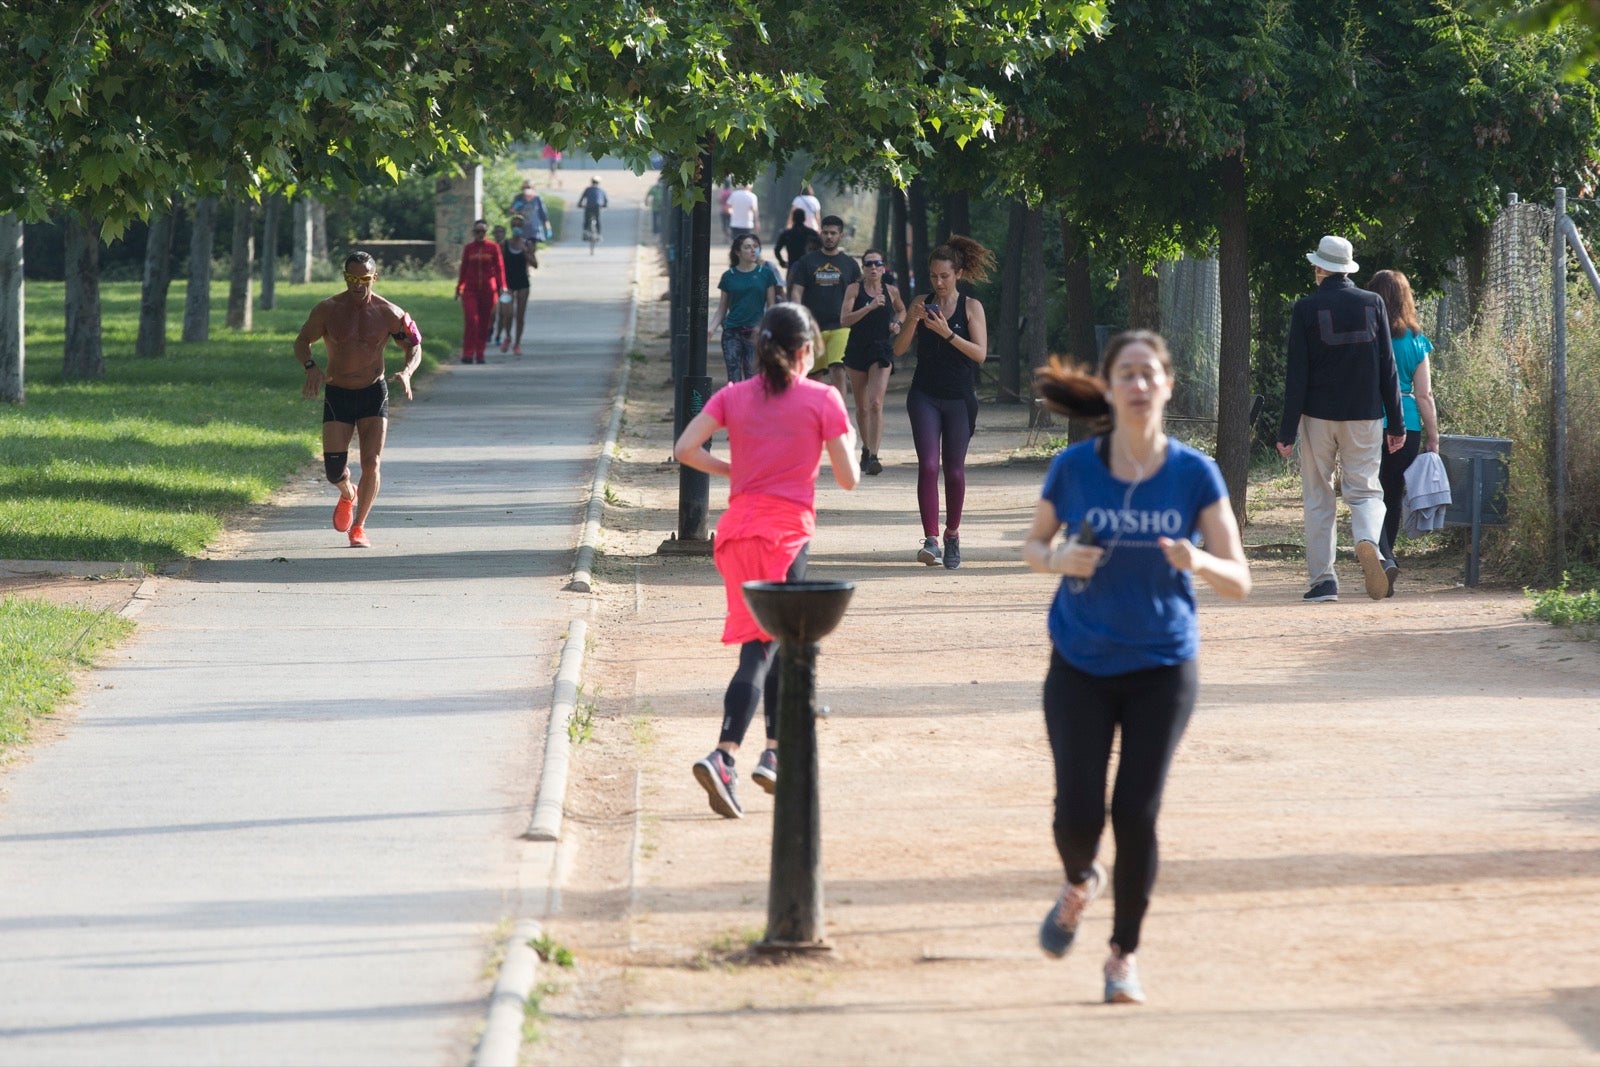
(591, 232)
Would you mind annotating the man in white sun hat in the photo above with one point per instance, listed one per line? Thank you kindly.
(1339, 387)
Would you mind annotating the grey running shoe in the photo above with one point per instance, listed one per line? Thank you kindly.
(952, 552)
(717, 776)
(1060, 924)
(1122, 979)
(929, 552)
(766, 773)
(1322, 591)
(1372, 569)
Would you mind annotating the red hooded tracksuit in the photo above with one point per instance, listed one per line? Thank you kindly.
(482, 279)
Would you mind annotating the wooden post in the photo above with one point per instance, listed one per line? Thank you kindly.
(13, 349)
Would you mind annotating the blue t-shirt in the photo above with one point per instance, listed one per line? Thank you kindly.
(747, 294)
(1410, 349)
(1137, 611)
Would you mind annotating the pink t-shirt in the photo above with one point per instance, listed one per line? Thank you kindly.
(775, 442)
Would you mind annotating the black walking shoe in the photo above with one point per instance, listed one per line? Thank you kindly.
(929, 552)
(1322, 591)
(766, 773)
(870, 463)
(717, 775)
(1391, 570)
(952, 552)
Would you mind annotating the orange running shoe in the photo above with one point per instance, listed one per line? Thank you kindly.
(343, 513)
(358, 537)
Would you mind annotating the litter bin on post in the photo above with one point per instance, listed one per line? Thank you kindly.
(1479, 469)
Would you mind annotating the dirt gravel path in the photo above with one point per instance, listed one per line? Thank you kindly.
(1381, 841)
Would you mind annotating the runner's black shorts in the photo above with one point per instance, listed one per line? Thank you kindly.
(352, 405)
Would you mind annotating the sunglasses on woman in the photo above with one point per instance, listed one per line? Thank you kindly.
(872, 262)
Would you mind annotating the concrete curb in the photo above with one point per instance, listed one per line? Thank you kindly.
(501, 1042)
(141, 598)
(549, 809)
(583, 569)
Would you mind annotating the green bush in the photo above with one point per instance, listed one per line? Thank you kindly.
(1559, 607)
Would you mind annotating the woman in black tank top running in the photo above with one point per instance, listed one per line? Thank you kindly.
(951, 333)
(872, 312)
(519, 256)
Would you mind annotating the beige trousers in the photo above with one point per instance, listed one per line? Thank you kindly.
(1355, 448)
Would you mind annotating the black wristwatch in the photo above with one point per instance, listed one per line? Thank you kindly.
(311, 364)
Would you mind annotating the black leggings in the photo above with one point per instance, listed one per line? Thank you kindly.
(1392, 476)
(1081, 713)
(755, 680)
(941, 430)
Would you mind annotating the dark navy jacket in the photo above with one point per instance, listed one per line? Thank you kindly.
(1341, 363)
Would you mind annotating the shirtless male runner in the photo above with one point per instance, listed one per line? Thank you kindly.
(355, 326)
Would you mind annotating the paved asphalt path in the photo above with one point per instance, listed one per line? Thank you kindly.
(283, 826)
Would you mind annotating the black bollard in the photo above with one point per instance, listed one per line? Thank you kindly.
(797, 614)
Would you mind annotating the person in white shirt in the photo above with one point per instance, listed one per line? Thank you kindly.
(807, 201)
(744, 213)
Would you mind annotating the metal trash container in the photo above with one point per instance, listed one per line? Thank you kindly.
(1479, 469)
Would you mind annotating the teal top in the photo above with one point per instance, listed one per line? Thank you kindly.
(1410, 349)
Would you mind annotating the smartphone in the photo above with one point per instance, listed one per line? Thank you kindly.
(931, 307)
(1086, 533)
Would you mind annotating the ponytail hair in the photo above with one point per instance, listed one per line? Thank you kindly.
(1068, 389)
(783, 332)
(968, 257)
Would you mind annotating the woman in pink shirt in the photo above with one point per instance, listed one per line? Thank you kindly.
(778, 422)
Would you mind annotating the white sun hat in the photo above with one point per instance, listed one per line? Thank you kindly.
(1334, 255)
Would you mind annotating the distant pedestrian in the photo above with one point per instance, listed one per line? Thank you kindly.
(479, 283)
(552, 159)
(807, 202)
(873, 312)
(794, 242)
(1122, 627)
(779, 424)
(818, 281)
(748, 287)
(951, 335)
(1414, 370)
(1339, 389)
(519, 258)
(535, 218)
(744, 212)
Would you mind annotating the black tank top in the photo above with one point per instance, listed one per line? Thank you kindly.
(942, 371)
(516, 266)
(871, 331)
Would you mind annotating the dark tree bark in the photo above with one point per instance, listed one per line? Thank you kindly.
(955, 214)
(1080, 297)
(1477, 262)
(880, 220)
(270, 211)
(241, 267)
(83, 356)
(1233, 365)
(1034, 342)
(899, 238)
(197, 301)
(1005, 337)
(1144, 298)
(13, 350)
(917, 220)
(152, 342)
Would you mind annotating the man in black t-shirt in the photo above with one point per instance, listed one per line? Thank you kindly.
(818, 280)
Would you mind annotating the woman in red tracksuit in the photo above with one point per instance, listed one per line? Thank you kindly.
(481, 280)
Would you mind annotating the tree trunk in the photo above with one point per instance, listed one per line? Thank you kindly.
(242, 267)
(269, 251)
(917, 220)
(880, 220)
(83, 357)
(1144, 298)
(898, 239)
(1477, 262)
(300, 246)
(1233, 364)
(1080, 297)
(197, 301)
(1034, 342)
(956, 214)
(1005, 336)
(152, 342)
(13, 350)
(319, 233)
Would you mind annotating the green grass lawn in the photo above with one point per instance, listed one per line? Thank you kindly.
(40, 646)
(146, 464)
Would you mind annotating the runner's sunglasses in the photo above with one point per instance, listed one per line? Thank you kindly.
(872, 262)
(359, 279)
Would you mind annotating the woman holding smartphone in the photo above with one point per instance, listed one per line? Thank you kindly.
(1122, 626)
(951, 335)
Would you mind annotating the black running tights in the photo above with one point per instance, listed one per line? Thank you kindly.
(1082, 712)
(755, 681)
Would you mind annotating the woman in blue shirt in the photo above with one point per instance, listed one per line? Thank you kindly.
(749, 287)
(1411, 361)
(1122, 625)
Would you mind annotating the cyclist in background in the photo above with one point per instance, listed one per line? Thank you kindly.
(592, 200)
